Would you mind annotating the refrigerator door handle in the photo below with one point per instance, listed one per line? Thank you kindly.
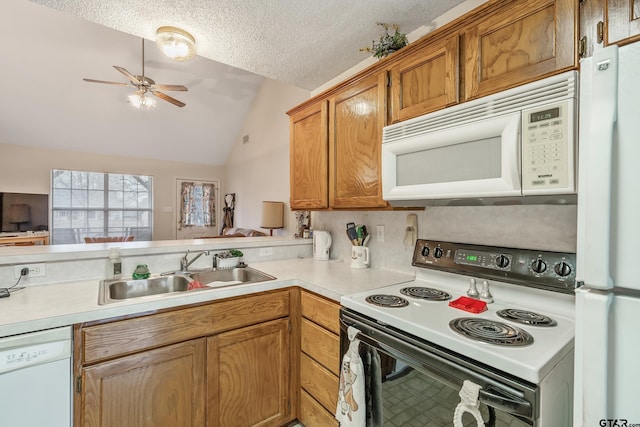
(592, 356)
(597, 172)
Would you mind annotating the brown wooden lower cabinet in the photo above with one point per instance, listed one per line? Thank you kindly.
(319, 360)
(248, 376)
(312, 414)
(226, 363)
(162, 387)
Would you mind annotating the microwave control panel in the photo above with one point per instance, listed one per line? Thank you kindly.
(548, 149)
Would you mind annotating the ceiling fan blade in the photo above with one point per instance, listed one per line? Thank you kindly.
(130, 76)
(170, 87)
(168, 98)
(106, 82)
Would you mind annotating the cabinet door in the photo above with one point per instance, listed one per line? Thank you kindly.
(356, 118)
(521, 42)
(309, 168)
(623, 21)
(248, 373)
(162, 387)
(425, 81)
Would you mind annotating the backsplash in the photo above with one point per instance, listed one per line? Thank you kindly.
(80, 265)
(542, 227)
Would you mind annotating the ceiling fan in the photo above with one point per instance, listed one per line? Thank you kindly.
(145, 86)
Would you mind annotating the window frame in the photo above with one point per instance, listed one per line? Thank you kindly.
(105, 209)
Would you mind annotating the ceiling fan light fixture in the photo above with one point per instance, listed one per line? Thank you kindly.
(176, 43)
(142, 101)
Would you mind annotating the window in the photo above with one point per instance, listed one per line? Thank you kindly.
(198, 207)
(91, 204)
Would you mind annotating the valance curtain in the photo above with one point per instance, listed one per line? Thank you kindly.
(198, 207)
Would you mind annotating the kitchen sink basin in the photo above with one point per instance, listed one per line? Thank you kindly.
(123, 289)
(224, 277)
(130, 288)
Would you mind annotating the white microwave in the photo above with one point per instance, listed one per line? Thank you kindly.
(518, 144)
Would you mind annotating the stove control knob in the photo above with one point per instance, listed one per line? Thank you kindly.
(539, 266)
(437, 252)
(502, 261)
(425, 251)
(563, 269)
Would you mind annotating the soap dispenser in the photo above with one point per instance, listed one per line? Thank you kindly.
(114, 264)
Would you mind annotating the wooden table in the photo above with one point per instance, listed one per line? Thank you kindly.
(25, 240)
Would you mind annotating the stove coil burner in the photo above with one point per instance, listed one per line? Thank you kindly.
(526, 317)
(491, 332)
(383, 300)
(425, 293)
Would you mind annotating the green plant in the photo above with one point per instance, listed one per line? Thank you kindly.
(231, 253)
(388, 43)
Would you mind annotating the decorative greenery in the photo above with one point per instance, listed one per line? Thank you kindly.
(231, 253)
(388, 43)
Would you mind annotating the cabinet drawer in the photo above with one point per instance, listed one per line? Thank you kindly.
(312, 414)
(321, 345)
(101, 342)
(318, 382)
(321, 311)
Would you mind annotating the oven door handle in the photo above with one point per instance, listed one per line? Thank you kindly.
(488, 395)
(504, 403)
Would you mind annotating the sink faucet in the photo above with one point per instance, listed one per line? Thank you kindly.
(185, 263)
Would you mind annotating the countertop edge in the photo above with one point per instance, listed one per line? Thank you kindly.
(331, 280)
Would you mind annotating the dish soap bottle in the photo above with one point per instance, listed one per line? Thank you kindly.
(114, 264)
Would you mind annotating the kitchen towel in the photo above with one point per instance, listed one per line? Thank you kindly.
(373, 387)
(351, 408)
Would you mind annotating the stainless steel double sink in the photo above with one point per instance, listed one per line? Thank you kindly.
(184, 281)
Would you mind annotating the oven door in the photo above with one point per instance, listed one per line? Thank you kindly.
(473, 160)
(409, 384)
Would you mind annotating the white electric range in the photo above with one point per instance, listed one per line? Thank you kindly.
(524, 343)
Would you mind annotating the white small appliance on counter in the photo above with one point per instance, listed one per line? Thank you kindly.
(321, 245)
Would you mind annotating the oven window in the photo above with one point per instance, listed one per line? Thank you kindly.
(467, 161)
(400, 395)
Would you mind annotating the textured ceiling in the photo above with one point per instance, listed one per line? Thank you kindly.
(57, 43)
(301, 42)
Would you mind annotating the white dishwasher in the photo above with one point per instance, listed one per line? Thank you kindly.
(35, 379)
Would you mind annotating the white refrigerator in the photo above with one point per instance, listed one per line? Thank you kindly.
(607, 365)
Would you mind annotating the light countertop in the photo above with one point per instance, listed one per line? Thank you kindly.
(48, 306)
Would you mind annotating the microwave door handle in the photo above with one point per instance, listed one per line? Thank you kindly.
(595, 215)
(511, 156)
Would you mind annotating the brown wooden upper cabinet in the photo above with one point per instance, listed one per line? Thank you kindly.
(425, 81)
(309, 152)
(518, 43)
(357, 115)
(623, 21)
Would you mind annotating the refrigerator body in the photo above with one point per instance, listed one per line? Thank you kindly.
(607, 365)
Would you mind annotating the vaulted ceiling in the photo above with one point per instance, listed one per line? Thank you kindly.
(51, 46)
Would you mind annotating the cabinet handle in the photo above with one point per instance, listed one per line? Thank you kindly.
(600, 32)
(582, 47)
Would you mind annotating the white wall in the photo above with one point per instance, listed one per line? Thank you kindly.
(259, 169)
(26, 169)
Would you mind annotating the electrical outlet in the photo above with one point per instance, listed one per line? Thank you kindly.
(35, 270)
(380, 233)
(266, 251)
